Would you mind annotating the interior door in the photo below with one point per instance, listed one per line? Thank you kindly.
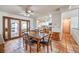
(66, 26)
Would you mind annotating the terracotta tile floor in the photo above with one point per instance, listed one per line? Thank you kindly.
(17, 46)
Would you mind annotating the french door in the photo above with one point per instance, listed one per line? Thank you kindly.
(14, 28)
(25, 26)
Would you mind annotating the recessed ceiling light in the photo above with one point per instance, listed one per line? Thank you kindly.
(70, 7)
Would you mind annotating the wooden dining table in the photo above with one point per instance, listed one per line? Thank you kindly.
(38, 36)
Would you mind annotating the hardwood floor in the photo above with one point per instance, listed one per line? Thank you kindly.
(66, 45)
(71, 45)
(1, 48)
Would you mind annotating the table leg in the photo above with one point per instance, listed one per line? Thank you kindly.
(38, 46)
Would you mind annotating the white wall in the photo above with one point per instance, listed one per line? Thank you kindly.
(74, 22)
(73, 15)
(74, 18)
(56, 22)
(7, 14)
(70, 13)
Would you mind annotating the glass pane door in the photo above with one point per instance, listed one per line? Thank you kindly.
(28, 28)
(6, 28)
(14, 28)
(23, 26)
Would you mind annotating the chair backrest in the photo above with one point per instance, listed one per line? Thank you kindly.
(45, 30)
(48, 37)
(26, 37)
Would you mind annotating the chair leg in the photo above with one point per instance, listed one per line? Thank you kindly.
(47, 48)
(39, 47)
(51, 46)
(43, 44)
(26, 46)
(30, 49)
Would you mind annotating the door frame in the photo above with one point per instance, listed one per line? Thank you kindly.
(9, 27)
(67, 19)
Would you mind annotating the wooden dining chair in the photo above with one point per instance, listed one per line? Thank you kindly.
(45, 30)
(47, 42)
(29, 41)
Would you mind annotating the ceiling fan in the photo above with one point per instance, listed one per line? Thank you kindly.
(29, 11)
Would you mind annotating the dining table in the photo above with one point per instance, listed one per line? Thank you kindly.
(38, 36)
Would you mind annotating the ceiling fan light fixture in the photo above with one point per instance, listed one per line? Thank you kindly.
(29, 11)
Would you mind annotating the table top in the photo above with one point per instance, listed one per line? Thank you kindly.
(38, 35)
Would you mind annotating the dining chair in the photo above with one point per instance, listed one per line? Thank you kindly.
(47, 42)
(45, 30)
(29, 41)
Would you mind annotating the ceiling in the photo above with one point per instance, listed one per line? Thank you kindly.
(43, 9)
(38, 10)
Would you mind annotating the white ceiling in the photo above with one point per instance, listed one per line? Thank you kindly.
(11, 9)
(44, 9)
(38, 10)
